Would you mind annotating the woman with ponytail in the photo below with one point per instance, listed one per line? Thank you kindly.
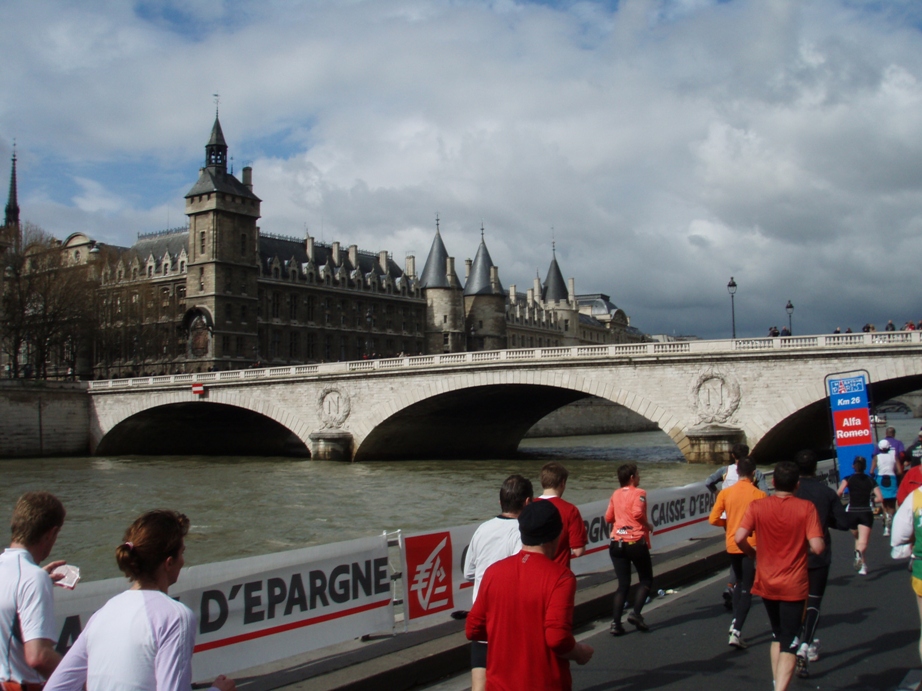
(141, 640)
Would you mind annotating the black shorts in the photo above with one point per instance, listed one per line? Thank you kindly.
(478, 654)
(856, 518)
(786, 619)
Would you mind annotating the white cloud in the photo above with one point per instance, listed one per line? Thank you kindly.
(669, 144)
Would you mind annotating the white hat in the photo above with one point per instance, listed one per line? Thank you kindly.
(884, 445)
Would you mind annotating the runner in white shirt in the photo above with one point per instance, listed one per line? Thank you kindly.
(142, 639)
(496, 539)
(27, 631)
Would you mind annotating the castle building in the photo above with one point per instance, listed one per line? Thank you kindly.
(220, 294)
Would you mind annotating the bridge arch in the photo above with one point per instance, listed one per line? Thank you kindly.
(806, 423)
(486, 414)
(226, 423)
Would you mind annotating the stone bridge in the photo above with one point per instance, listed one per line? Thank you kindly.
(706, 395)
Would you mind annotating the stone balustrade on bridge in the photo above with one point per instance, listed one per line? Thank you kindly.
(706, 395)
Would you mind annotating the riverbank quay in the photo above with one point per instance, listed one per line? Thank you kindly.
(410, 660)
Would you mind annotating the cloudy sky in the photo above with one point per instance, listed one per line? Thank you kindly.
(665, 145)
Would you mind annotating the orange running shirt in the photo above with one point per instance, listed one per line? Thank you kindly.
(734, 501)
(784, 525)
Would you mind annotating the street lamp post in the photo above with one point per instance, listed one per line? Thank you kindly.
(731, 288)
(789, 308)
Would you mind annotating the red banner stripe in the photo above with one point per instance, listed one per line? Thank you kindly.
(231, 640)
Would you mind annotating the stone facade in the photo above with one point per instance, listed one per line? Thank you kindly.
(43, 419)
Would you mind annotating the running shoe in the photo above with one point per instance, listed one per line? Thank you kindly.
(863, 571)
(886, 531)
(859, 562)
(801, 669)
(728, 597)
(617, 629)
(637, 620)
(732, 625)
(737, 641)
(813, 650)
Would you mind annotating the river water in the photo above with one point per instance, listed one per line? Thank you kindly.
(244, 506)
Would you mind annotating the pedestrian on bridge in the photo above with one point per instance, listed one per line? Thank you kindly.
(832, 514)
(788, 528)
(630, 530)
(728, 511)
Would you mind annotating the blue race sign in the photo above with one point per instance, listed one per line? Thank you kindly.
(851, 421)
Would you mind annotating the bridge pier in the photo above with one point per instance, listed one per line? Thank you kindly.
(331, 445)
(711, 443)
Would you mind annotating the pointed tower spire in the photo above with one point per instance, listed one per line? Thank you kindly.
(12, 205)
(480, 281)
(216, 148)
(555, 288)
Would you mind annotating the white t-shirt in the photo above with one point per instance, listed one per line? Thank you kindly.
(24, 588)
(140, 640)
(496, 539)
(886, 462)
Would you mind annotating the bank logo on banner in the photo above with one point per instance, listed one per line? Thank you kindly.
(429, 567)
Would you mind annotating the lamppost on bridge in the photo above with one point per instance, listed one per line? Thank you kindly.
(731, 288)
(789, 308)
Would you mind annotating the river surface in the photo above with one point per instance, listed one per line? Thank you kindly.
(244, 506)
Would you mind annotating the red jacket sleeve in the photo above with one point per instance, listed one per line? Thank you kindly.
(558, 618)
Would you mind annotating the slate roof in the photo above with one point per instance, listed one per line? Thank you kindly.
(555, 288)
(478, 283)
(288, 249)
(212, 180)
(434, 273)
(599, 303)
(158, 244)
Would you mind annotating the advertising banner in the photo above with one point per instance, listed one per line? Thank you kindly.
(259, 609)
(851, 421)
(433, 571)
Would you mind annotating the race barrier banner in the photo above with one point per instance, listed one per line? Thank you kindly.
(259, 609)
(433, 571)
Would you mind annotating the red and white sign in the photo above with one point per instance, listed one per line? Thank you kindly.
(852, 426)
(198, 389)
(433, 567)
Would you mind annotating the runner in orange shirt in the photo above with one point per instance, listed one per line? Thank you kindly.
(729, 509)
(788, 529)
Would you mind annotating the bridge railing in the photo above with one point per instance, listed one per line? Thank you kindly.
(611, 351)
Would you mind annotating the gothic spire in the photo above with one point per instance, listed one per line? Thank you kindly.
(12, 205)
(216, 148)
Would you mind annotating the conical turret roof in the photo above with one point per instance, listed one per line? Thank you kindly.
(478, 283)
(555, 288)
(435, 272)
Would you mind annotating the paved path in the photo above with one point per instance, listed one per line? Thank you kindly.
(869, 634)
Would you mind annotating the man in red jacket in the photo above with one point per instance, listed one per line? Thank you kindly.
(524, 610)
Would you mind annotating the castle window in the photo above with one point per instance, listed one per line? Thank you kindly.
(76, 255)
(225, 345)
(444, 318)
(182, 267)
(243, 314)
(310, 309)
(201, 242)
(293, 307)
(239, 346)
(275, 272)
(566, 324)
(275, 345)
(310, 346)
(293, 345)
(181, 293)
(228, 313)
(150, 271)
(276, 304)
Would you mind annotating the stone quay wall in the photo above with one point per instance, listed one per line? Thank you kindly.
(591, 416)
(43, 418)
